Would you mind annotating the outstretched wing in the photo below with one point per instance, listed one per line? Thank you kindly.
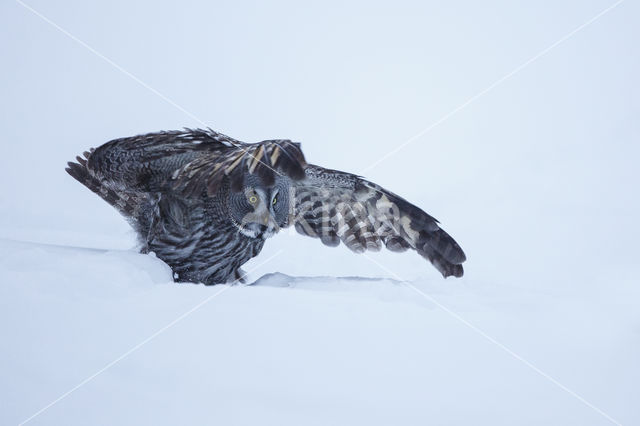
(190, 161)
(336, 206)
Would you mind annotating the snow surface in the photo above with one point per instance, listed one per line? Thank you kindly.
(299, 350)
(537, 179)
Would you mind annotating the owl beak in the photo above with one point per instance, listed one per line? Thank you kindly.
(262, 223)
(270, 222)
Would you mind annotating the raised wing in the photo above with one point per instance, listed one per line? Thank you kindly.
(191, 161)
(265, 159)
(336, 206)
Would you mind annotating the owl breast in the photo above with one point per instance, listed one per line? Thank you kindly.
(197, 239)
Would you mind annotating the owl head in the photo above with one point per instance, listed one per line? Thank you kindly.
(258, 210)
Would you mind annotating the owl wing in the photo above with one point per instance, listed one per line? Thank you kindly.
(335, 206)
(264, 159)
(189, 161)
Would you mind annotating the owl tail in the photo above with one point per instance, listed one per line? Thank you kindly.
(126, 203)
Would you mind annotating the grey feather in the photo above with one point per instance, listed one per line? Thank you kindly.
(205, 203)
(337, 206)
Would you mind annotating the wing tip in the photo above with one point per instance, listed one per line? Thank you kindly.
(76, 170)
(456, 271)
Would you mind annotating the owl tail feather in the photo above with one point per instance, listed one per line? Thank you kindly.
(125, 203)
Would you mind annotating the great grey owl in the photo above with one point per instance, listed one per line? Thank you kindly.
(205, 203)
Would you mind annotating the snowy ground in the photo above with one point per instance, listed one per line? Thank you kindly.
(302, 350)
(514, 123)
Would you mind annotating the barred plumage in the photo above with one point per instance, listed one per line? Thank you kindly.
(205, 203)
(337, 206)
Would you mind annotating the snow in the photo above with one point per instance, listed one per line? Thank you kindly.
(299, 350)
(536, 178)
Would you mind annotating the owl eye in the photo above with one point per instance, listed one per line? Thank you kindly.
(275, 200)
(253, 199)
